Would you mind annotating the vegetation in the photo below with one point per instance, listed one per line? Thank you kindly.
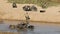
(42, 3)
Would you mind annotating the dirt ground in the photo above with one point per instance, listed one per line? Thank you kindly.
(7, 33)
(7, 12)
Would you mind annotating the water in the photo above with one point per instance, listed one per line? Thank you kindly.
(39, 29)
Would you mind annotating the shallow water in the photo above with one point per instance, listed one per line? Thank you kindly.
(39, 29)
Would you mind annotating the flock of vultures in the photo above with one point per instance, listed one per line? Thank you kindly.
(28, 8)
(24, 25)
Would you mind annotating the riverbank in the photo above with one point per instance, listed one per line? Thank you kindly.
(8, 32)
(14, 20)
(31, 22)
(51, 14)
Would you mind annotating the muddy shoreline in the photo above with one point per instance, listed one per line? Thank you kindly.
(31, 21)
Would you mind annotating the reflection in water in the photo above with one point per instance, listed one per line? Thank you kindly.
(39, 29)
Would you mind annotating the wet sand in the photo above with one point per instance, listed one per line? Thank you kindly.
(8, 33)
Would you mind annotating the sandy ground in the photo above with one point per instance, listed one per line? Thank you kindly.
(7, 12)
(7, 33)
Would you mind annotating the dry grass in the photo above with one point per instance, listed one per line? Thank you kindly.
(37, 2)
